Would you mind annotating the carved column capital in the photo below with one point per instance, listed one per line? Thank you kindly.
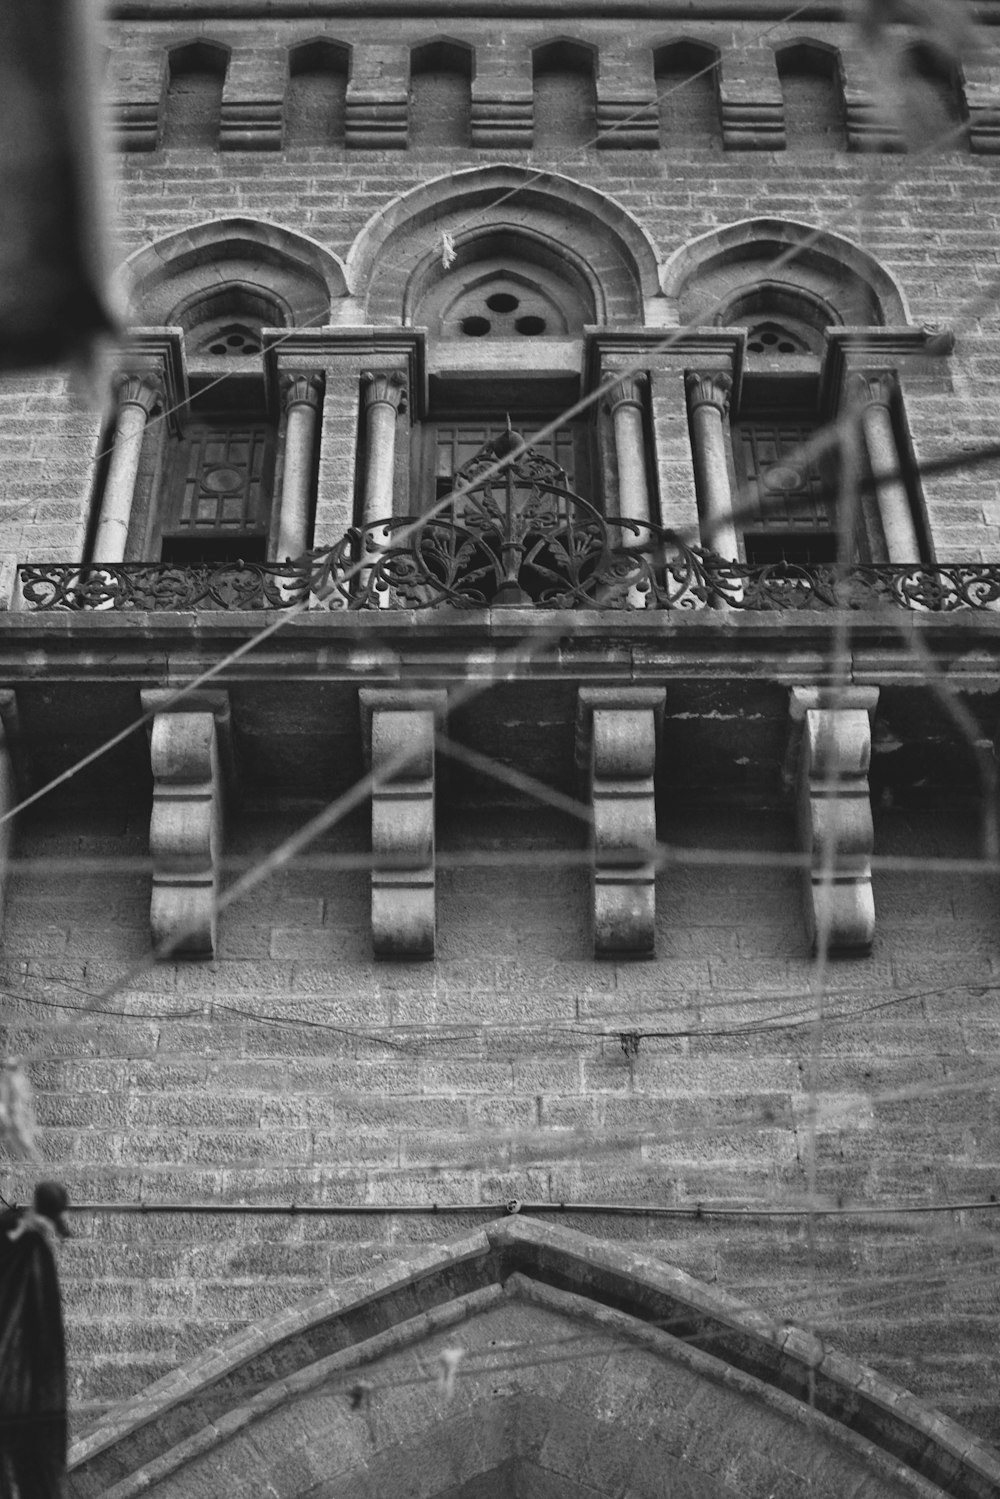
(871, 387)
(627, 391)
(301, 389)
(144, 391)
(709, 388)
(384, 388)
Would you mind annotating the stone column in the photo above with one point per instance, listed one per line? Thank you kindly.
(138, 396)
(625, 405)
(385, 398)
(708, 404)
(873, 395)
(301, 396)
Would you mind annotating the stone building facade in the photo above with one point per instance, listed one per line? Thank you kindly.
(507, 967)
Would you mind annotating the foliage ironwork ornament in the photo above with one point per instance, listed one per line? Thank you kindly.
(513, 537)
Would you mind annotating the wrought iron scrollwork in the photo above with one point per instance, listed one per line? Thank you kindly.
(513, 534)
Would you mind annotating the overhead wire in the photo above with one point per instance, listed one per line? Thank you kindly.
(618, 376)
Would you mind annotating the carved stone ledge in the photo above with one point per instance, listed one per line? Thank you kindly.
(869, 126)
(502, 122)
(136, 125)
(752, 124)
(251, 125)
(984, 129)
(832, 747)
(628, 124)
(376, 121)
(189, 743)
(616, 742)
(399, 729)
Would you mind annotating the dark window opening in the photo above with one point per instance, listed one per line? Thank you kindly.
(219, 495)
(203, 551)
(457, 443)
(687, 89)
(935, 107)
(194, 95)
(795, 548)
(565, 96)
(811, 92)
(440, 95)
(315, 104)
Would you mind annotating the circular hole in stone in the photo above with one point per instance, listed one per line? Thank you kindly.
(502, 301)
(476, 327)
(786, 348)
(235, 340)
(217, 349)
(769, 338)
(530, 326)
(755, 348)
(782, 476)
(249, 348)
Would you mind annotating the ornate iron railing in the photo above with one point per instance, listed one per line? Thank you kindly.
(514, 537)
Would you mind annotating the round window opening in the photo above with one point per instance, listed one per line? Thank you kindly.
(502, 301)
(476, 327)
(530, 326)
(229, 341)
(222, 480)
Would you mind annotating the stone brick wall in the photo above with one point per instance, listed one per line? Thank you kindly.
(914, 215)
(292, 1069)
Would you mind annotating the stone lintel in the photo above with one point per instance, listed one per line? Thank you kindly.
(608, 350)
(856, 350)
(157, 354)
(617, 731)
(832, 731)
(398, 730)
(345, 349)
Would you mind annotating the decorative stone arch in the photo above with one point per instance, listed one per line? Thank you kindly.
(527, 1358)
(690, 49)
(455, 52)
(549, 50)
(270, 268)
(710, 272)
(319, 46)
(391, 262)
(827, 52)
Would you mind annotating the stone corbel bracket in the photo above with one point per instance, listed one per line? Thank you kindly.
(190, 744)
(398, 728)
(617, 730)
(832, 741)
(13, 781)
